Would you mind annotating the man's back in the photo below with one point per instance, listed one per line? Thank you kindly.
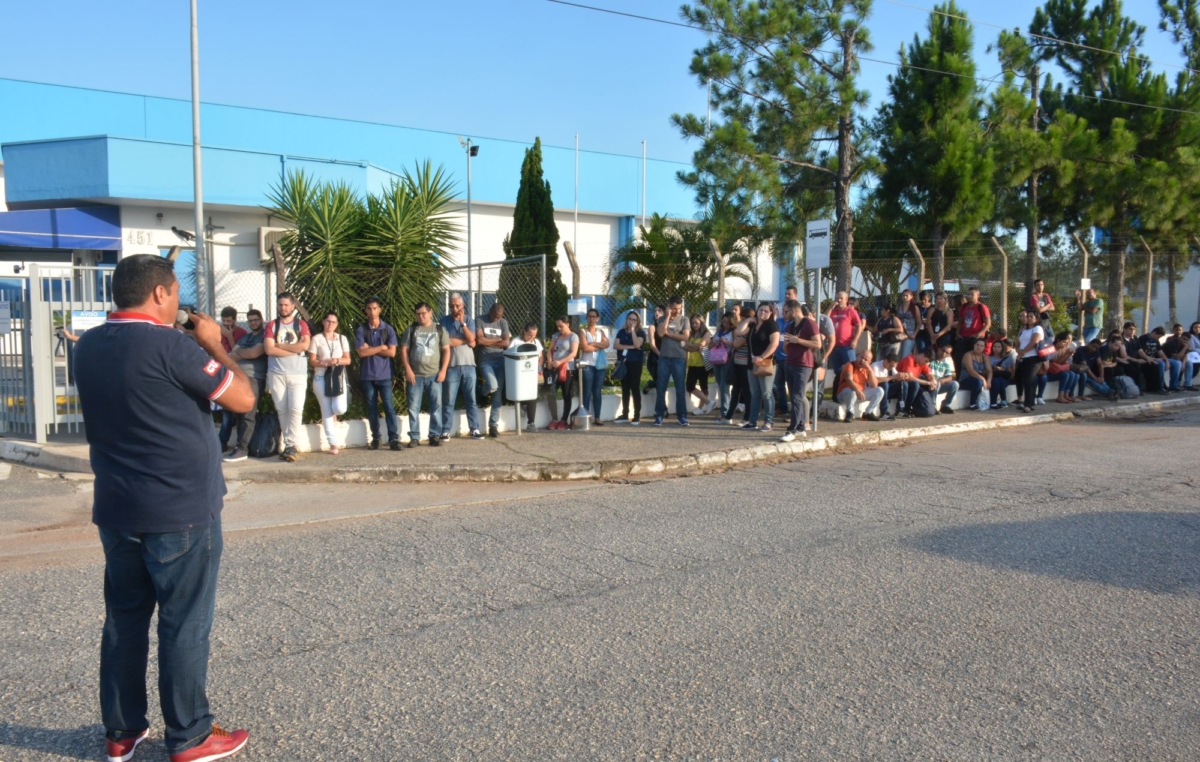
(144, 388)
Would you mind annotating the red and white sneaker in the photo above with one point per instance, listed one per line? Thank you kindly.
(122, 751)
(219, 744)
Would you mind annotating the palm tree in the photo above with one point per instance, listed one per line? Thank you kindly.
(669, 260)
(394, 244)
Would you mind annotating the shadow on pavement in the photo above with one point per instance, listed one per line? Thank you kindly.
(86, 742)
(1155, 552)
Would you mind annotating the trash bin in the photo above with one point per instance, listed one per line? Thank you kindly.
(521, 373)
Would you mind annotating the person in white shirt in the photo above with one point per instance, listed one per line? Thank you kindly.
(330, 349)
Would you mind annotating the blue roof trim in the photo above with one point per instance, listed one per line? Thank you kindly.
(91, 227)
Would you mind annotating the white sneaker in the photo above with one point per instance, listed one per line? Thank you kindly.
(709, 407)
(1039, 401)
(788, 437)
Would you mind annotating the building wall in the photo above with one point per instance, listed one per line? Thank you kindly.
(3, 208)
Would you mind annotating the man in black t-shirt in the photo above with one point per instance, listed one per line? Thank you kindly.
(146, 391)
(1178, 348)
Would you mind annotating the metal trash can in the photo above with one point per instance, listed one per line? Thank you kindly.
(521, 373)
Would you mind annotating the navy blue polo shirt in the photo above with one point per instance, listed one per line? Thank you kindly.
(145, 390)
(376, 367)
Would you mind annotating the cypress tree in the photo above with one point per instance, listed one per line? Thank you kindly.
(534, 233)
(937, 165)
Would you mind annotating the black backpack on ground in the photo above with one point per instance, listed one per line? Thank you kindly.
(923, 406)
(264, 442)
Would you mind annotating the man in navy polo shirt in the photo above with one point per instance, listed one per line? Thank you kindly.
(376, 344)
(146, 390)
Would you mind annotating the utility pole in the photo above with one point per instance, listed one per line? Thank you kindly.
(203, 263)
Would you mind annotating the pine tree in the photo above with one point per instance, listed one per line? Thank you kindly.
(534, 233)
(786, 142)
(937, 166)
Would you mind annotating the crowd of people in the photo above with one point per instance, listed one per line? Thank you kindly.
(760, 362)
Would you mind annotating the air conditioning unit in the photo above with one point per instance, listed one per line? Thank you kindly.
(267, 237)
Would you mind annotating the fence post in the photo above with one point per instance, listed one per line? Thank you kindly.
(1149, 284)
(545, 336)
(1197, 242)
(716, 252)
(1082, 296)
(921, 275)
(1003, 283)
(40, 329)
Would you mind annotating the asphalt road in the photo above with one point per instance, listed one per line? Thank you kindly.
(1013, 595)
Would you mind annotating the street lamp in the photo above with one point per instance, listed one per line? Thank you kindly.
(472, 150)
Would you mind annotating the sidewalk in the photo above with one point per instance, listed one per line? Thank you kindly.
(613, 451)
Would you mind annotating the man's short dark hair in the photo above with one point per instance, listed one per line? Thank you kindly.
(136, 277)
(422, 305)
(1128, 324)
(892, 356)
(790, 305)
(286, 295)
(229, 312)
(675, 300)
(373, 300)
(253, 313)
(1159, 330)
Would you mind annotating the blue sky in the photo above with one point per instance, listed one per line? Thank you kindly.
(498, 68)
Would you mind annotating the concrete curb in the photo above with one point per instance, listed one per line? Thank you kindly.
(38, 456)
(754, 455)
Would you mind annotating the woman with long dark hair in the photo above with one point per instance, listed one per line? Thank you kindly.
(629, 343)
(1027, 349)
(697, 371)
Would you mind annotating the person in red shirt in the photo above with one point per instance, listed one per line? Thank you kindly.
(230, 330)
(917, 373)
(847, 328)
(974, 320)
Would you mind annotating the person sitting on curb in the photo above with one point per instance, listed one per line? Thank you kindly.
(858, 391)
(918, 374)
(1177, 348)
(891, 381)
(976, 375)
(943, 374)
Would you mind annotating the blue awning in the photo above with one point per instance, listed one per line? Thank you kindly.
(88, 227)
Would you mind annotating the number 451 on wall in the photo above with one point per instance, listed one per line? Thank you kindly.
(142, 237)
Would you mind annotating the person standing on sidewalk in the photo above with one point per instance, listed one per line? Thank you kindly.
(145, 390)
(1041, 303)
(529, 336)
(593, 364)
(460, 327)
(780, 314)
(630, 342)
(252, 359)
(493, 338)
(376, 343)
(801, 338)
(848, 327)
(287, 340)
(974, 322)
(230, 333)
(330, 350)
(425, 353)
(560, 365)
(672, 332)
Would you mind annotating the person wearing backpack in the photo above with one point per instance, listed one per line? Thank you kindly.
(425, 353)
(974, 321)
(287, 342)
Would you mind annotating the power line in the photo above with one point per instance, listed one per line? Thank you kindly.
(1039, 36)
(897, 64)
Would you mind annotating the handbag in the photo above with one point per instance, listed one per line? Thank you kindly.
(563, 373)
(718, 355)
(764, 368)
(618, 373)
(335, 375)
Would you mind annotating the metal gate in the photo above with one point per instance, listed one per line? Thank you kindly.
(37, 379)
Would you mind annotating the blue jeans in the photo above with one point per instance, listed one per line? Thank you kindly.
(906, 348)
(425, 385)
(1189, 371)
(999, 391)
(972, 385)
(781, 390)
(463, 376)
(761, 398)
(1067, 381)
(493, 376)
(798, 379)
(724, 377)
(228, 421)
(671, 369)
(1089, 334)
(593, 381)
(373, 392)
(948, 388)
(177, 572)
(838, 359)
(1098, 386)
(1176, 368)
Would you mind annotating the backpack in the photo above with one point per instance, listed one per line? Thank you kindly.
(1126, 387)
(264, 442)
(923, 406)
